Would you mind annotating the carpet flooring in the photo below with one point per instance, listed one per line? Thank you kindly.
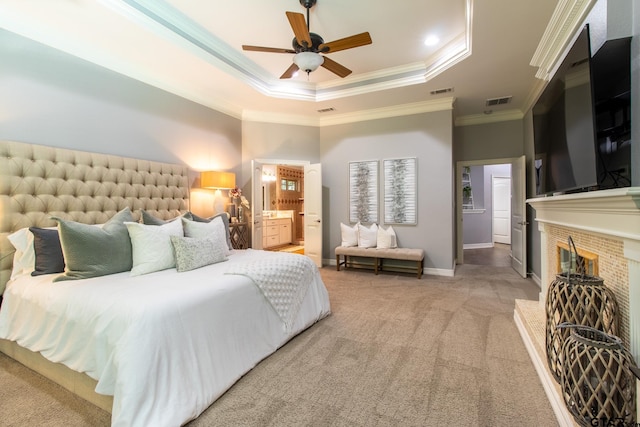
(396, 351)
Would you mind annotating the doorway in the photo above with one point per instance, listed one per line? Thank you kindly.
(283, 207)
(484, 212)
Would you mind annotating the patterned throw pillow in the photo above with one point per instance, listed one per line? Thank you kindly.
(196, 252)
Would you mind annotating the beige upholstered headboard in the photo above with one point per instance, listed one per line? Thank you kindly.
(37, 182)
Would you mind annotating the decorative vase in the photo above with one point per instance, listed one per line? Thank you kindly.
(237, 203)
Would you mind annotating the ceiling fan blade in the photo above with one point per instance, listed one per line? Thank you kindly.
(335, 68)
(290, 71)
(346, 43)
(267, 49)
(299, 27)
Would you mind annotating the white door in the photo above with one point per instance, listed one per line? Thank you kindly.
(518, 217)
(313, 212)
(501, 207)
(256, 204)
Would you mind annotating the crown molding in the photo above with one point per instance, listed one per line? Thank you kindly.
(566, 19)
(278, 118)
(441, 104)
(454, 52)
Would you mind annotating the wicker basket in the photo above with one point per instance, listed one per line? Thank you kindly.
(579, 299)
(597, 381)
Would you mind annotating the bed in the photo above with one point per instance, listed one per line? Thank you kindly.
(164, 344)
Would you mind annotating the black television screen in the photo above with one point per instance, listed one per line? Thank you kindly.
(563, 124)
(611, 71)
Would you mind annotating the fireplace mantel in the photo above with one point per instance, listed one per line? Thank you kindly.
(607, 222)
(613, 212)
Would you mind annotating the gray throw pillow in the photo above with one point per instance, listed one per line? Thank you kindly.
(149, 219)
(196, 252)
(46, 245)
(91, 251)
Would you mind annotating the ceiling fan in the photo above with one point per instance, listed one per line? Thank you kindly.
(308, 46)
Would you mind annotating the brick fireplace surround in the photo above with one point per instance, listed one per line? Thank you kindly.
(606, 223)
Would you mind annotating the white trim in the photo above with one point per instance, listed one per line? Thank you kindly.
(477, 245)
(567, 17)
(439, 272)
(563, 415)
(441, 104)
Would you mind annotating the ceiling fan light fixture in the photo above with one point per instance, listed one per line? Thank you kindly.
(308, 61)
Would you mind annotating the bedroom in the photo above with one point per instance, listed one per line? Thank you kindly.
(80, 105)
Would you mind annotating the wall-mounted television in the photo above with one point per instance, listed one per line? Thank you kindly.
(563, 125)
(582, 120)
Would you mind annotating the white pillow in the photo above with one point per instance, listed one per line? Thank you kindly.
(151, 247)
(24, 260)
(387, 238)
(367, 237)
(206, 229)
(349, 235)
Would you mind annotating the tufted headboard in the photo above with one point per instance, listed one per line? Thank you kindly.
(37, 182)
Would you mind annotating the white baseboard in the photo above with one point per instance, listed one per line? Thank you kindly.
(477, 245)
(439, 272)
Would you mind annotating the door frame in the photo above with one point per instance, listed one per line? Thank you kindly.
(282, 162)
(459, 165)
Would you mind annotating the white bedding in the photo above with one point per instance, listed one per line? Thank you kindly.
(166, 344)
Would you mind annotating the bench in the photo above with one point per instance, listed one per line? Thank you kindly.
(379, 256)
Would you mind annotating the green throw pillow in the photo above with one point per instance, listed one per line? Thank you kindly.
(91, 251)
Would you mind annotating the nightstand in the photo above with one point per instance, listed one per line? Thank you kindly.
(239, 235)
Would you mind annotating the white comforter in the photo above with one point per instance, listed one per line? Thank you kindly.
(166, 344)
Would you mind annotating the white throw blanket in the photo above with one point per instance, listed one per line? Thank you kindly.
(283, 279)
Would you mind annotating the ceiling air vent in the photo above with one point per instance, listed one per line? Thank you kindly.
(498, 101)
(326, 110)
(439, 91)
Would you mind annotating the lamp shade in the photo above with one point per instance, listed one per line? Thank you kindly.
(215, 179)
(308, 61)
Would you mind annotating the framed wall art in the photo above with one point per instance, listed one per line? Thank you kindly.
(363, 191)
(400, 191)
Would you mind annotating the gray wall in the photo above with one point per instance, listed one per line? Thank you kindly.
(52, 98)
(489, 141)
(428, 137)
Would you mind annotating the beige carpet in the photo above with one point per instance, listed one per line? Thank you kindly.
(397, 351)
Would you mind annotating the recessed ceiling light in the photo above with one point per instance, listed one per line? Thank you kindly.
(431, 40)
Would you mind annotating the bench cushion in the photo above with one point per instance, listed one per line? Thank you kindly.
(408, 254)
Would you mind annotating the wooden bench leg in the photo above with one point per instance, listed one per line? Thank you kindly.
(420, 268)
(376, 265)
(338, 262)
